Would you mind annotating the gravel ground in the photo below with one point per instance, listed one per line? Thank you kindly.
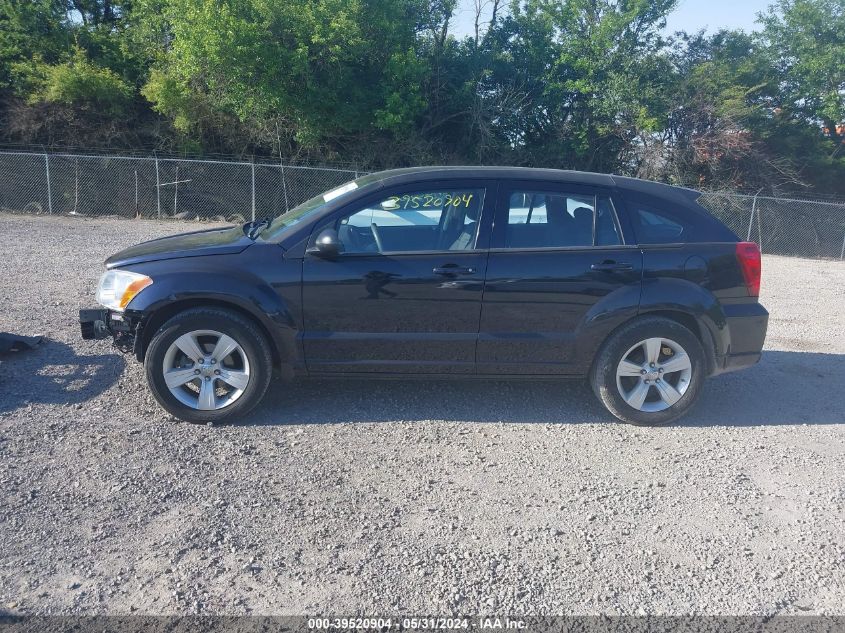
(399, 498)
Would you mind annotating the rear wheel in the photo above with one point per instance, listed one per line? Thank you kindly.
(649, 372)
(208, 365)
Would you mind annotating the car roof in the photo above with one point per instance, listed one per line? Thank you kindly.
(634, 185)
(395, 176)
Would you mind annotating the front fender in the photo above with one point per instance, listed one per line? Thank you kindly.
(181, 284)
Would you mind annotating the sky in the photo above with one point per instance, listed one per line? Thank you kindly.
(691, 15)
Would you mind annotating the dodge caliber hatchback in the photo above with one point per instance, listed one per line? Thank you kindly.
(445, 272)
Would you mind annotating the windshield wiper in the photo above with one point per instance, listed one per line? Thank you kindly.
(253, 229)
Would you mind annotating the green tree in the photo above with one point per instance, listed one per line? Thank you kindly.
(714, 135)
(590, 76)
(331, 68)
(804, 41)
(29, 28)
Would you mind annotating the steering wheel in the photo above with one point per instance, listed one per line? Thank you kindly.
(376, 237)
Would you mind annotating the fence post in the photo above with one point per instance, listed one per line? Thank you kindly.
(176, 190)
(49, 189)
(253, 191)
(751, 219)
(158, 192)
(137, 213)
(75, 187)
(284, 188)
(842, 252)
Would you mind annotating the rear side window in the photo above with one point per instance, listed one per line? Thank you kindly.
(659, 227)
(538, 219)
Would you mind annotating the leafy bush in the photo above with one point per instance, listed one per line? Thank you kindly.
(81, 83)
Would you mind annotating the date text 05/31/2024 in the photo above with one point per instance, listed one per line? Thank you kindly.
(419, 623)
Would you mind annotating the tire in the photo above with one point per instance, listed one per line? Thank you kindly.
(665, 395)
(248, 366)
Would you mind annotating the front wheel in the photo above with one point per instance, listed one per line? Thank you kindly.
(649, 372)
(208, 365)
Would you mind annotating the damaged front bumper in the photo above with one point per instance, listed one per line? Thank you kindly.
(101, 323)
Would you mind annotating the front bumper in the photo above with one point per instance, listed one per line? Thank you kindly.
(94, 324)
(100, 323)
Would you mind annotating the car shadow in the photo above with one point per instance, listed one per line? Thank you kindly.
(53, 373)
(785, 388)
(454, 399)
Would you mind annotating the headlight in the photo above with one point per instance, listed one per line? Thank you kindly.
(118, 287)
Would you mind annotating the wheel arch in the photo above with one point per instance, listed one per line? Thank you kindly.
(693, 323)
(690, 304)
(697, 326)
(152, 321)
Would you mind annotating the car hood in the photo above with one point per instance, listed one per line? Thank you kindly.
(223, 241)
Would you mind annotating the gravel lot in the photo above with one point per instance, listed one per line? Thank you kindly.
(401, 498)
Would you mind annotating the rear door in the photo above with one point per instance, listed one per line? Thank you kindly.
(405, 295)
(558, 265)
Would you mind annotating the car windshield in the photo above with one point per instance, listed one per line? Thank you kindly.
(313, 207)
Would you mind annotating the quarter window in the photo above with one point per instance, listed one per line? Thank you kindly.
(442, 220)
(539, 219)
(658, 227)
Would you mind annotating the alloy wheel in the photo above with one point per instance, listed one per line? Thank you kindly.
(653, 374)
(206, 370)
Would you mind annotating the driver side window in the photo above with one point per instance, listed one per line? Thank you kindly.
(442, 220)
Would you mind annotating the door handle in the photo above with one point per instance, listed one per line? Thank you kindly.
(611, 267)
(452, 269)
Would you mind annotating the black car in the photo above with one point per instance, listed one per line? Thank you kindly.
(445, 272)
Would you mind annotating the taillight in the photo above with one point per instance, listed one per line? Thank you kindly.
(748, 254)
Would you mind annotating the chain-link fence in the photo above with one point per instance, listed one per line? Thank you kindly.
(71, 184)
(783, 226)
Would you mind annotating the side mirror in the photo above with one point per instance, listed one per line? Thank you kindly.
(327, 244)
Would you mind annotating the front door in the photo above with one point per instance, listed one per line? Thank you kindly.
(556, 259)
(405, 293)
